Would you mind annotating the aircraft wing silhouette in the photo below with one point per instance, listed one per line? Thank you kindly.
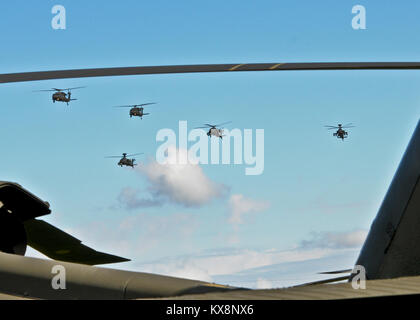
(59, 245)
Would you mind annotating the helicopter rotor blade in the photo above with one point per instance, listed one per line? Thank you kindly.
(337, 272)
(201, 128)
(57, 89)
(134, 105)
(50, 90)
(145, 104)
(223, 124)
(68, 89)
(132, 155)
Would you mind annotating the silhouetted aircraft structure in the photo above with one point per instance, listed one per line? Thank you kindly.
(390, 251)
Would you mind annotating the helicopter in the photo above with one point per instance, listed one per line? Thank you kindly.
(214, 130)
(137, 109)
(341, 133)
(60, 95)
(124, 161)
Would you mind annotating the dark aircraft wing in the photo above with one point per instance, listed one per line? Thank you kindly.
(58, 245)
(125, 71)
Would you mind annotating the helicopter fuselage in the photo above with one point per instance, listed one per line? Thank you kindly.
(127, 162)
(215, 132)
(340, 134)
(61, 96)
(137, 112)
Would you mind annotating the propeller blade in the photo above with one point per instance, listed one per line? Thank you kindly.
(123, 106)
(337, 272)
(324, 281)
(115, 71)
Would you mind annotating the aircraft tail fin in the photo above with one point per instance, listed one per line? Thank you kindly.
(392, 247)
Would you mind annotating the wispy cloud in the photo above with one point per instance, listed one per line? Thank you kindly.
(254, 268)
(326, 205)
(138, 236)
(130, 199)
(240, 206)
(267, 268)
(351, 239)
(239, 209)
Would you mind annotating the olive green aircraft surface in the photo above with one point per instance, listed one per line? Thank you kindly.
(137, 110)
(390, 254)
(340, 133)
(61, 96)
(124, 161)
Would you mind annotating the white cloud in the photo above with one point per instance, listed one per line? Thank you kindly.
(240, 206)
(348, 239)
(265, 269)
(205, 267)
(139, 237)
(184, 184)
(264, 284)
(351, 239)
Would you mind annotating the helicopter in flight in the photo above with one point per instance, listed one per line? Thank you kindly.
(214, 130)
(124, 161)
(137, 110)
(340, 133)
(60, 94)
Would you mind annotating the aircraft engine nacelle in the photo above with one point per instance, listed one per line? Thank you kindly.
(17, 205)
(12, 234)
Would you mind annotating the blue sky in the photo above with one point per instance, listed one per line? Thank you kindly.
(314, 188)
